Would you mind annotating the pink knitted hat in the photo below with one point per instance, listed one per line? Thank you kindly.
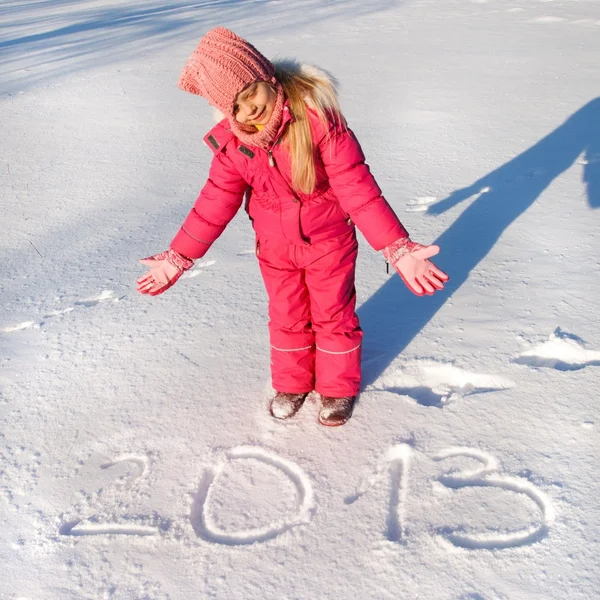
(221, 66)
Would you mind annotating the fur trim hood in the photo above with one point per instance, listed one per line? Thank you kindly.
(326, 85)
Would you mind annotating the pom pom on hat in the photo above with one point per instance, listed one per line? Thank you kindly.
(221, 66)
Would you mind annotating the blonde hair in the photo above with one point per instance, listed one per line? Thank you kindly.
(306, 87)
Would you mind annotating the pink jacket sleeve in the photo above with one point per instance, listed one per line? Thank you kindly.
(217, 204)
(356, 188)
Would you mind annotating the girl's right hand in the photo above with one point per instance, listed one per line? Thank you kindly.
(165, 269)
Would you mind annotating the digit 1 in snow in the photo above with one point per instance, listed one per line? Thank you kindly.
(396, 461)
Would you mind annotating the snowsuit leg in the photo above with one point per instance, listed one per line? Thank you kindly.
(338, 336)
(312, 298)
(290, 330)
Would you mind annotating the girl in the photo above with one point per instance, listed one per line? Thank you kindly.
(285, 147)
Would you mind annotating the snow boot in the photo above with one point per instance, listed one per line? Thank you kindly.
(335, 411)
(286, 405)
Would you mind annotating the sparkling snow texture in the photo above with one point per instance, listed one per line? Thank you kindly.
(137, 456)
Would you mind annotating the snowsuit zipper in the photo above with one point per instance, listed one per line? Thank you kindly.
(272, 162)
(270, 150)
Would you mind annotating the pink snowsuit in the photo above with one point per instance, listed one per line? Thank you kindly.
(305, 243)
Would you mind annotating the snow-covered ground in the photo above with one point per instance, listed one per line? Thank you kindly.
(137, 457)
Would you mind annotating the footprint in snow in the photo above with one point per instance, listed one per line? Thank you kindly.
(548, 19)
(420, 204)
(589, 160)
(18, 326)
(104, 296)
(198, 269)
(562, 351)
(551, 19)
(432, 383)
(56, 313)
(20, 468)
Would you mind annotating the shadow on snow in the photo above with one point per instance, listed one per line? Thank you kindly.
(43, 40)
(392, 317)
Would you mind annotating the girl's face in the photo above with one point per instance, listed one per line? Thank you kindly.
(254, 104)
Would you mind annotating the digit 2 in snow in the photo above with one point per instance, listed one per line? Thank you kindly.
(102, 521)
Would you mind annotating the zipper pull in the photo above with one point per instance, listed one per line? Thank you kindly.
(271, 159)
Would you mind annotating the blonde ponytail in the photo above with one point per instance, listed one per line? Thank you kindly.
(302, 84)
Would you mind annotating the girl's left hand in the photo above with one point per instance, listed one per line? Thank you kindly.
(411, 261)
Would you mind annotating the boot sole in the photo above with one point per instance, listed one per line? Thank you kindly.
(334, 423)
(337, 424)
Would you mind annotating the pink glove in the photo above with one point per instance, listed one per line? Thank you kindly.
(165, 269)
(410, 259)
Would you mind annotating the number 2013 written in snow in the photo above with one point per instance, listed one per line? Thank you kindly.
(395, 466)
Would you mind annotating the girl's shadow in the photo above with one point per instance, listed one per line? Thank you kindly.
(392, 317)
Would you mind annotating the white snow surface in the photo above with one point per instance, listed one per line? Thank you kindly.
(137, 456)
